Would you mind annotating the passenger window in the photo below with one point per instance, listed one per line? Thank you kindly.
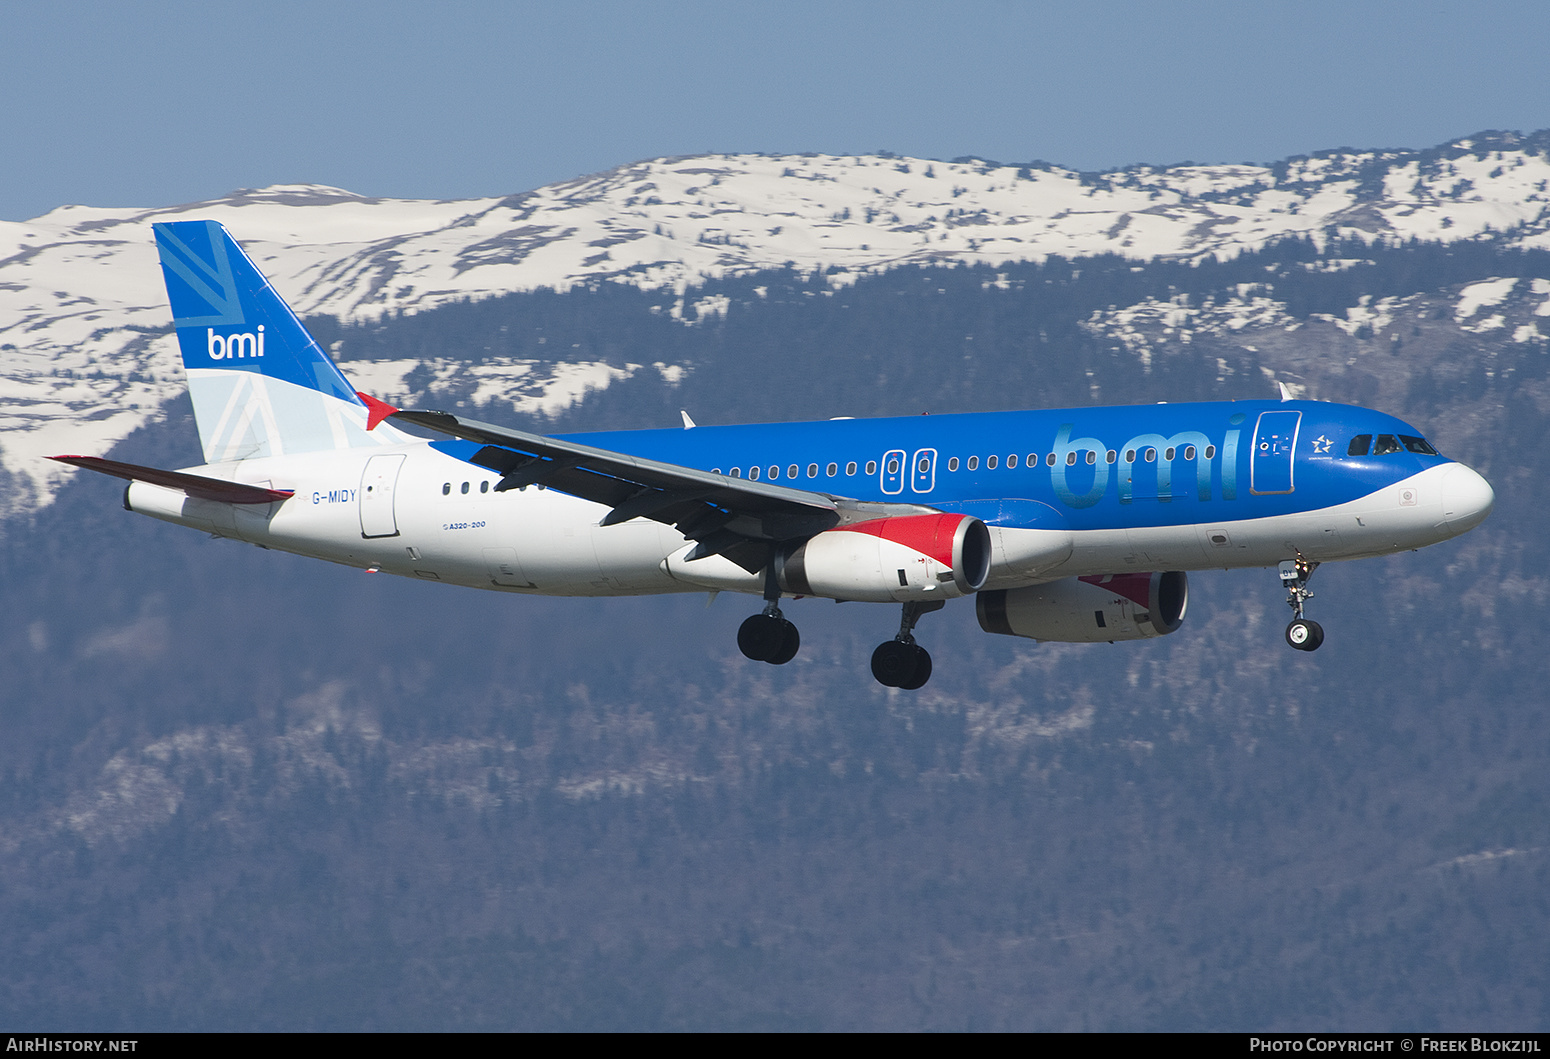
(1151, 455)
(812, 470)
(1092, 456)
(974, 463)
(1130, 455)
(465, 488)
(791, 472)
(774, 472)
(1359, 445)
(1071, 459)
(1110, 456)
(484, 487)
(1033, 459)
(850, 468)
(1417, 445)
(1385, 444)
(871, 467)
(923, 466)
(1168, 453)
(1011, 461)
(446, 488)
(893, 466)
(1189, 452)
(990, 463)
(833, 469)
(1210, 452)
(1050, 459)
(737, 472)
(952, 463)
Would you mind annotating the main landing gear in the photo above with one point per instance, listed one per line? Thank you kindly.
(901, 662)
(769, 637)
(1303, 633)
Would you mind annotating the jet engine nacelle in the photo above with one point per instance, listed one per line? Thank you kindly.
(1102, 608)
(911, 557)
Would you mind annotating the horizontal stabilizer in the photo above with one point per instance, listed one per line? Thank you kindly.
(193, 484)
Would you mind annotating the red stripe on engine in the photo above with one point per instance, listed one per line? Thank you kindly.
(928, 534)
(1135, 587)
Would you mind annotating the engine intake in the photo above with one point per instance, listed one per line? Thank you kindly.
(1096, 609)
(912, 557)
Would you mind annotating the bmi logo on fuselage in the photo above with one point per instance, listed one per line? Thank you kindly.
(234, 347)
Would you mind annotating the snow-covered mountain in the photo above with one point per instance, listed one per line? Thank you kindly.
(86, 354)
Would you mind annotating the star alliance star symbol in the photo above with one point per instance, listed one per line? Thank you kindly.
(1321, 445)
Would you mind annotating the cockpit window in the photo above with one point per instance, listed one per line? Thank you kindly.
(1359, 445)
(1385, 444)
(1417, 445)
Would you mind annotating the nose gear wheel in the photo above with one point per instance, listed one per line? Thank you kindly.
(1303, 633)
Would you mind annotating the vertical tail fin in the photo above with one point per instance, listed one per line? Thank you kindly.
(261, 385)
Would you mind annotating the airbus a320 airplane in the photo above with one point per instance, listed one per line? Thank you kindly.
(1073, 525)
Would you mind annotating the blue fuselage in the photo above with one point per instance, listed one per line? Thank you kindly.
(1086, 468)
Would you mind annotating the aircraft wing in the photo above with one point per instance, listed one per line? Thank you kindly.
(724, 516)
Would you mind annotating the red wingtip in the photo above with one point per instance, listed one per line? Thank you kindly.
(376, 411)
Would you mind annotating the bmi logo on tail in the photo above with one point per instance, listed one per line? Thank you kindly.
(234, 347)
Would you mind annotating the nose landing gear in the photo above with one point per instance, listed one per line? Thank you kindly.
(1303, 633)
(901, 662)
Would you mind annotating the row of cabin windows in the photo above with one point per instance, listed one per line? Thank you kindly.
(1365, 445)
(972, 463)
(1148, 455)
(1361, 445)
(794, 471)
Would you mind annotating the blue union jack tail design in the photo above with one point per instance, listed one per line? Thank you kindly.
(261, 385)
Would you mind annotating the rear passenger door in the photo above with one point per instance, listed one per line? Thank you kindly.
(378, 484)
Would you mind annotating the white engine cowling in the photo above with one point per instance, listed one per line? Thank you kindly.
(1102, 608)
(912, 557)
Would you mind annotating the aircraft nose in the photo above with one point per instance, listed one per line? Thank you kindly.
(1467, 498)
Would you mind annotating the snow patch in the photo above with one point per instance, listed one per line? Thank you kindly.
(1482, 295)
(527, 387)
(86, 355)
